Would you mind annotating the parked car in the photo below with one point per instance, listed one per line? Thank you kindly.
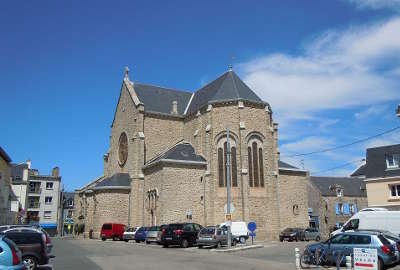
(129, 234)
(141, 233)
(311, 234)
(113, 231)
(239, 231)
(32, 245)
(345, 242)
(152, 234)
(375, 220)
(213, 236)
(28, 228)
(291, 234)
(160, 232)
(10, 255)
(180, 234)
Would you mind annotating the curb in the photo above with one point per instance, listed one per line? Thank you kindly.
(237, 249)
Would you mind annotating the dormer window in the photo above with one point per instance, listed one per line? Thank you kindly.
(393, 161)
(339, 192)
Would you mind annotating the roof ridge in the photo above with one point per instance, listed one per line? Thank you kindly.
(210, 82)
(234, 83)
(163, 87)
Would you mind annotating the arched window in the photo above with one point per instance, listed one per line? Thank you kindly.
(222, 158)
(256, 163)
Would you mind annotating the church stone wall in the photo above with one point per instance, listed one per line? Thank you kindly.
(293, 199)
(161, 133)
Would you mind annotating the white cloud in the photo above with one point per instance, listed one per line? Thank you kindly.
(376, 4)
(370, 112)
(336, 70)
(308, 144)
(393, 138)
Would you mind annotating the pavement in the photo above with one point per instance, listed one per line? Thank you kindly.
(96, 254)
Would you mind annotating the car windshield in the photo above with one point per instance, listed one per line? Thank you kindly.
(208, 230)
(107, 227)
(154, 228)
(289, 230)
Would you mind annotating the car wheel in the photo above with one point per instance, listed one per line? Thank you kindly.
(137, 241)
(147, 242)
(242, 240)
(317, 238)
(103, 239)
(165, 246)
(234, 242)
(184, 243)
(281, 239)
(200, 246)
(126, 240)
(381, 266)
(30, 262)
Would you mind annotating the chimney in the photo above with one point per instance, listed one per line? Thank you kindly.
(29, 162)
(55, 172)
(174, 107)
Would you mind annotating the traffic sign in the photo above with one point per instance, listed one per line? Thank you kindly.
(252, 226)
(365, 259)
(252, 234)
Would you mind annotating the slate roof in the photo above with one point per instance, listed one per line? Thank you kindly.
(182, 152)
(4, 155)
(17, 171)
(159, 99)
(284, 165)
(352, 187)
(117, 180)
(227, 87)
(360, 171)
(376, 162)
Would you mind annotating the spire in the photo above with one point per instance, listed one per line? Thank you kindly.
(126, 72)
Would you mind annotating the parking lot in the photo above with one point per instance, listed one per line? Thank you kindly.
(95, 254)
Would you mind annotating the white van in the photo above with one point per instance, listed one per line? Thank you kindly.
(239, 231)
(373, 220)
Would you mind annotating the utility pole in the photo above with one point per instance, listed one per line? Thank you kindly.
(228, 185)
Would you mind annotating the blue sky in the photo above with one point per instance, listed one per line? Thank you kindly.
(329, 69)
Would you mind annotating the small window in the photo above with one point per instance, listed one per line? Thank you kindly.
(393, 161)
(47, 214)
(339, 192)
(395, 190)
(48, 200)
(49, 185)
(70, 203)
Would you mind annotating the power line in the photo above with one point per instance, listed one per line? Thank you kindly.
(340, 166)
(345, 145)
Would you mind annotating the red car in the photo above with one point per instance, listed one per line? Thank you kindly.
(113, 231)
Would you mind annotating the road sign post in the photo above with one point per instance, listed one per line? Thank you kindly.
(252, 226)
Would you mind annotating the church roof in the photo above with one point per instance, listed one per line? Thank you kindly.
(284, 165)
(227, 87)
(182, 153)
(159, 99)
(118, 180)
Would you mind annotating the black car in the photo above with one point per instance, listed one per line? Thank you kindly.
(180, 234)
(32, 245)
(292, 234)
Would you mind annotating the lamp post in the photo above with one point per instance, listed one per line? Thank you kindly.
(228, 185)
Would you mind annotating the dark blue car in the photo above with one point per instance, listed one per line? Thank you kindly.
(141, 233)
(342, 245)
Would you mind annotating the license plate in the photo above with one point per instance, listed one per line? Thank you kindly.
(168, 238)
(202, 238)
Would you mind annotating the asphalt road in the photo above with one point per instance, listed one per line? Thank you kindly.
(94, 254)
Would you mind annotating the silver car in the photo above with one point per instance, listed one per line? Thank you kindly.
(152, 234)
(213, 236)
(312, 234)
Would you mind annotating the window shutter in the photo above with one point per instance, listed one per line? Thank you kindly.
(346, 209)
(355, 208)
(337, 209)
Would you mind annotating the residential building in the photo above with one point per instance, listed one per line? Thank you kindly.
(68, 213)
(6, 194)
(20, 174)
(333, 200)
(382, 176)
(167, 161)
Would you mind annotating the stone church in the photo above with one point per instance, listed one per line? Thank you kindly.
(167, 161)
